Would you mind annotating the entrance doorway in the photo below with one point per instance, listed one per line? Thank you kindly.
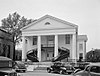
(50, 55)
(47, 53)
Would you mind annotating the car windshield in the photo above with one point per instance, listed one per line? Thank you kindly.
(20, 63)
(58, 64)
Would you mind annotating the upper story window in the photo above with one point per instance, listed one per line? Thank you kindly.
(67, 39)
(34, 40)
(50, 38)
(81, 47)
(50, 41)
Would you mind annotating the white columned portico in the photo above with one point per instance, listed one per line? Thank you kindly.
(39, 48)
(74, 45)
(23, 49)
(56, 46)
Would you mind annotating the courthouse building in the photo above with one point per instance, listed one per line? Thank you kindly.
(50, 33)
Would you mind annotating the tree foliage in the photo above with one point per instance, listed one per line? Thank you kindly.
(13, 24)
(93, 56)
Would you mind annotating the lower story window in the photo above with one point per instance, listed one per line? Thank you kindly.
(67, 39)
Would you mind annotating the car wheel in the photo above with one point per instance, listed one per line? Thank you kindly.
(49, 70)
(61, 72)
(69, 73)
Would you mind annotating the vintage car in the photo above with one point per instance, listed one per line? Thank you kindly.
(93, 69)
(60, 68)
(6, 67)
(19, 66)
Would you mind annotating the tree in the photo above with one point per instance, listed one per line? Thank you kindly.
(93, 56)
(13, 24)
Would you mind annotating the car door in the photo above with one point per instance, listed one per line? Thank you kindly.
(59, 67)
(55, 67)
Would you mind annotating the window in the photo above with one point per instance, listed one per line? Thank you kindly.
(95, 69)
(50, 38)
(26, 41)
(35, 40)
(4, 49)
(50, 41)
(81, 55)
(8, 51)
(0, 49)
(81, 47)
(53, 55)
(67, 39)
(47, 23)
(47, 55)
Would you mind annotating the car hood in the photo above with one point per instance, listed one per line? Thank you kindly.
(7, 70)
(80, 72)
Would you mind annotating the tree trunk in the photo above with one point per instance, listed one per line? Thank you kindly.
(14, 57)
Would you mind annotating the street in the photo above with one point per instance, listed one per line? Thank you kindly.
(40, 73)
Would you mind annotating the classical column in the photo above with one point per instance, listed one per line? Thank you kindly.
(23, 49)
(39, 48)
(84, 49)
(56, 46)
(74, 46)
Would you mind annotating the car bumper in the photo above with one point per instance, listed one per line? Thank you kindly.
(21, 69)
(69, 71)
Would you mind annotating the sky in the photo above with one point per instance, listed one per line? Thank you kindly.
(84, 13)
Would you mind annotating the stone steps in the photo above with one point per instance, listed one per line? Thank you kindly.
(40, 68)
(42, 65)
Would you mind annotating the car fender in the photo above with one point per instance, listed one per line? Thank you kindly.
(50, 68)
(62, 68)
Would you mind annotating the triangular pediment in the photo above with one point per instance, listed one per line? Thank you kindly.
(49, 22)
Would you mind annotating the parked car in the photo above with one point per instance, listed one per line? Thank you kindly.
(60, 68)
(93, 69)
(19, 66)
(6, 67)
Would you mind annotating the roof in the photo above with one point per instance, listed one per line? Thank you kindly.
(51, 17)
(95, 64)
(4, 58)
(82, 37)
